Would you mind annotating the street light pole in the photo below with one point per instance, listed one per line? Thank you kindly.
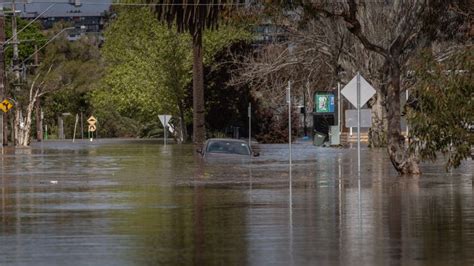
(304, 110)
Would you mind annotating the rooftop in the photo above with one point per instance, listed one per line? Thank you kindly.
(63, 8)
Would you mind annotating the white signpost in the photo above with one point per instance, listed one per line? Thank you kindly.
(288, 100)
(250, 124)
(358, 91)
(165, 120)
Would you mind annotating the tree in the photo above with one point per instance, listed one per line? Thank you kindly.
(193, 16)
(149, 66)
(66, 73)
(441, 108)
(409, 25)
(30, 38)
(77, 68)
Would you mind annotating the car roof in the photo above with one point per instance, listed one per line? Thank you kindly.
(228, 140)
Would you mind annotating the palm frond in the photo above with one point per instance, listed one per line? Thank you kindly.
(190, 15)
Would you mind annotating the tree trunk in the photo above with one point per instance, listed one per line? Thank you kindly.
(378, 130)
(401, 160)
(199, 130)
(22, 130)
(23, 125)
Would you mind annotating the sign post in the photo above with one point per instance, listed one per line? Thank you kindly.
(358, 91)
(358, 122)
(339, 123)
(288, 100)
(1, 130)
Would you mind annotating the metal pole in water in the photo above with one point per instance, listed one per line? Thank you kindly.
(164, 127)
(358, 122)
(290, 174)
(250, 124)
(1, 129)
(406, 120)
(288, 99)
(82, 126)
(339, 124)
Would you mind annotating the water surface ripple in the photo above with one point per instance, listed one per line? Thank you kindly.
(131, 202)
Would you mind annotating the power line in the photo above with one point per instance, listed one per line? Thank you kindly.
(139, 4)
(48, 42)
(31, 22)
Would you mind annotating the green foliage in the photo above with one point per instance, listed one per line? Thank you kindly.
(442, 108)
(149, 65)
(215, 41)
(69, 72)
(30, 37)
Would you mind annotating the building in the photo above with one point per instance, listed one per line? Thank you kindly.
(85, 15)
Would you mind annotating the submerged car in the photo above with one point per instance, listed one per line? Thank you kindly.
(227, 148)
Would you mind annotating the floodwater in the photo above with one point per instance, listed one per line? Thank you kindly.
(132, 202)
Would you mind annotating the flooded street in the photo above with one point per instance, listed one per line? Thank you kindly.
(135, 202)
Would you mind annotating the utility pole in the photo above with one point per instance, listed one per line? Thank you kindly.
(304, 109)
(3, 132)
(16, 69)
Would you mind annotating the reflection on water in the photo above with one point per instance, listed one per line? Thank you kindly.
(141, 203)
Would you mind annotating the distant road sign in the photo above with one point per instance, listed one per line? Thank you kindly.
(350, 91)
(165, 120)
(92, 128)
(92, 120)
(6, 105)
(365, 118)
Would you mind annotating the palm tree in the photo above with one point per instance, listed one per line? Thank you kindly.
(192, 16)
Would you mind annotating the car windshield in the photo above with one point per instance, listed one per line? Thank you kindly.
(231, 147)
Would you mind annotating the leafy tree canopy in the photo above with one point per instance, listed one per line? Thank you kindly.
(30, 37)
(149, 64)
(441, 111)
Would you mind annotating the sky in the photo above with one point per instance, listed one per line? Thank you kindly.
(61, 7)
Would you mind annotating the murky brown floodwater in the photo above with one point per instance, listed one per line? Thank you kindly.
(140, 203)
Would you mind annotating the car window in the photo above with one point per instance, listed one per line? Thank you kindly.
(230, 147)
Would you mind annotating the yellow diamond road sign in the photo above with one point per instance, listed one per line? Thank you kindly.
(5, 106)
(92, 128)
(92, 120)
